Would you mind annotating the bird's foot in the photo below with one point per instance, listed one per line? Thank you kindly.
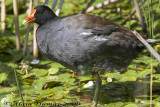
(94, 104)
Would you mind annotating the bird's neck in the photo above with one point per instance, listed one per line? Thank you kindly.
(46, 19)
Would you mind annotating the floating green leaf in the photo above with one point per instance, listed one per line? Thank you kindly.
(131, 105)
(3, 77)
(40, 72)
(37, 86)
(129, 76)
(144, 73)
(117, 104)
(53, 70)
(27, 75)
(56, 65)
(85, 77)
(115, 75)
(7, 98)
(156, 76)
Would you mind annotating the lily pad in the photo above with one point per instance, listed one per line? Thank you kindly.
(131, 105)
(40, 72)
(3, 76)
(37, 86)
(115, 75)
(53, 70)
(129, 76)
(118, 104)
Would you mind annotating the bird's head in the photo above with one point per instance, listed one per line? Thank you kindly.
(40, 15)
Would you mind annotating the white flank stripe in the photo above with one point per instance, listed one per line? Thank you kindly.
(86, 33)
(101, 39)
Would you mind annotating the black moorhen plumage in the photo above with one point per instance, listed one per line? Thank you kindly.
(84, 42)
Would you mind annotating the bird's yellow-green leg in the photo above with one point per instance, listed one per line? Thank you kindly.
(97, 89)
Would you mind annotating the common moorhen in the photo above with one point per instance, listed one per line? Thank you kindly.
(84, 42)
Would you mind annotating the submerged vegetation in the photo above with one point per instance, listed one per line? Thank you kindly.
(48, 82)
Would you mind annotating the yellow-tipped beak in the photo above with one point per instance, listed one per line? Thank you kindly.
(31, 18)
(24, 22)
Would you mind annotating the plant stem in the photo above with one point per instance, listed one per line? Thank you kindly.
(3, 16)
(59, 8)
(17, 82)
(152, 35)
(35, 47)
(15, 8)
(130, 15)
(27, 30)
(151, 79)
(54, 4)
(140, 18)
